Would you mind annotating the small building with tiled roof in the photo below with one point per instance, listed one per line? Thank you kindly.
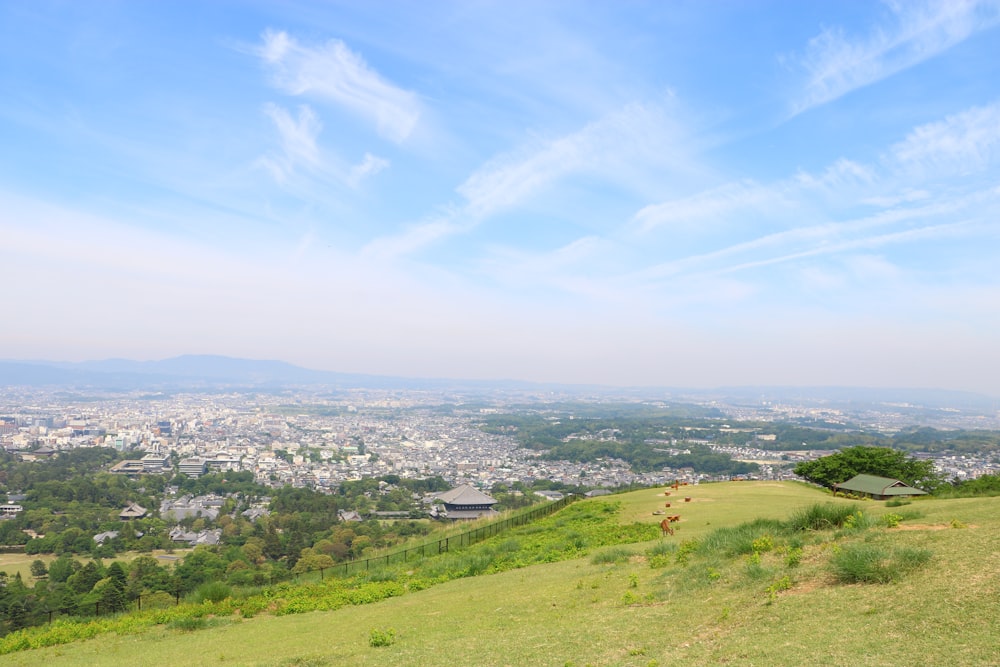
(879, 488)
(464, 503)
(133, 511)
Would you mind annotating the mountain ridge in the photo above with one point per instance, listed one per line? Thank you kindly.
(213, 370)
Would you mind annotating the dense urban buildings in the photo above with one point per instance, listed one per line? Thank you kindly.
(302, 439)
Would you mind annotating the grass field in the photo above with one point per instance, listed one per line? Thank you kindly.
(13, 563)
(620, 611)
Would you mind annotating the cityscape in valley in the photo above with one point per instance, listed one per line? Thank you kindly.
(317, 437)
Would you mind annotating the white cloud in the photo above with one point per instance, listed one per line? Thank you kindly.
(837, 64)
(412, 239)
(298, 141)
(333, 72)
(569, 268)
(711, 206)
(907, 196)
(958, 217)
(369, 166)
(842, 173)
(962, 143)
(635, 134)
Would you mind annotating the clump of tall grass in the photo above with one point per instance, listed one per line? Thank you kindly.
(859, 522)
(611, 556)
(188, 624)
(754, 569)
(821, 516)
(661, 554)
(866, 563)
(742, 539)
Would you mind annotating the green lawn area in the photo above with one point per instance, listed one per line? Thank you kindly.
(586, 612)
(12, 563)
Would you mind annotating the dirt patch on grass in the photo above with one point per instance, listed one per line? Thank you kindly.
(923, 526)
(807, 586)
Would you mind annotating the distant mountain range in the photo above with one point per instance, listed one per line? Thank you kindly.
(206, 372)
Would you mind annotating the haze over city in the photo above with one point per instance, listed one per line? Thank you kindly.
(670, 194)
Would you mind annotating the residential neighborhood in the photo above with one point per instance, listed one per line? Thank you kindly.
(302, 439)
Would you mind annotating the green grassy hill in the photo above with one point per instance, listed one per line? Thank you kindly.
(701, 597)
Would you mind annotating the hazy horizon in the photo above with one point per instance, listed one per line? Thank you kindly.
(662, 194)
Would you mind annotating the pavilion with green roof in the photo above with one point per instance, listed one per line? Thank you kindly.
(878, 488)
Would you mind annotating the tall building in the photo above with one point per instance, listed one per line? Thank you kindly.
(193, 467)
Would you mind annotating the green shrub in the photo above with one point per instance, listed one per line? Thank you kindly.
(213, 591)
(684, 551)
(629, 598)
(378, 637)
(776, 587)
(158, 600)
(793, 557)
(897, 502)
(762, 544)
(661, 554)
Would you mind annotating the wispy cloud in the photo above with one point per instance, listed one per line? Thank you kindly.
(836, 63)
(710, 206)
(332, 72)
(574, 268)
(413, 238)
(369, 166)
(842, 173)
(962, 143)
(637, 133)
(635, 136)
(950, 218)
(298, 141)
(300, 155)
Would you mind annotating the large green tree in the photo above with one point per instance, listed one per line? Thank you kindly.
(882, 461)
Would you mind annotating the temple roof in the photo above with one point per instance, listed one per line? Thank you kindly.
(466, 495)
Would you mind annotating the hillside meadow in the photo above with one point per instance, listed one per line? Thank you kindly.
(758, 595)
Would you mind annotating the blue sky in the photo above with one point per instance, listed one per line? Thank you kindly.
(628, 193)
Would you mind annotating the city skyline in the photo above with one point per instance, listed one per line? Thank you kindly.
(661, 194)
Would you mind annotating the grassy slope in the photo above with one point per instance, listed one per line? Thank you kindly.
(576, 612)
